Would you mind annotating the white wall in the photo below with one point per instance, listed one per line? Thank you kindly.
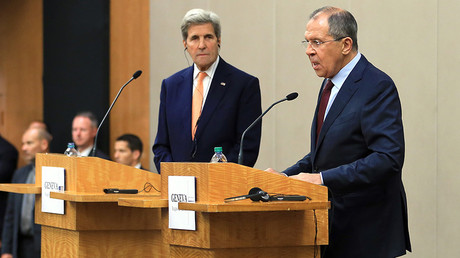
(412, 41)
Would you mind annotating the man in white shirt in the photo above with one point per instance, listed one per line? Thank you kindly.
(209, 104)
(84, 129)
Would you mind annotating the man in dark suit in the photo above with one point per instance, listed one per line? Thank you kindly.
(357, 143)
(209, 104)
(84, 129)
(8, 163)
(128, 150)
(21, 236)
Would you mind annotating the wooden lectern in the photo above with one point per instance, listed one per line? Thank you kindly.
(96, 224)
(245, 228)
(93, 224)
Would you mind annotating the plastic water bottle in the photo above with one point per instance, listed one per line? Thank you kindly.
(71, 151)
(218, 155)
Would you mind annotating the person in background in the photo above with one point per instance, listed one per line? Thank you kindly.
(8, 163)
(357, 143)
(38, 124)
(21, 237)
(208, 104)
(128, 150)
(84, 129)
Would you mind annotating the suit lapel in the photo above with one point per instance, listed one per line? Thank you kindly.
(184, 101)
(347, 90)
(219, 85)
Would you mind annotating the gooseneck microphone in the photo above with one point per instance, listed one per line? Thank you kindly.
(288, 97)
(256, 194)
(135, 75)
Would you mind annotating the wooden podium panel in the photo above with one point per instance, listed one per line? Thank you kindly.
(234, 229)
(93, 224)
(92, 174)
(267, 252)
(217, 181)
(113, 243)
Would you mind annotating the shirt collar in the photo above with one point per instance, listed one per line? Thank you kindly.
(342, 75)
(86, 152)
(211, 70)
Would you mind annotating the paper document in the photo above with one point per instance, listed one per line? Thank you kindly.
(181, 189)
(53, 180)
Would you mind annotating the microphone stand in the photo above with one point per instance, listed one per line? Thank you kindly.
(135, 75)
(240, 154)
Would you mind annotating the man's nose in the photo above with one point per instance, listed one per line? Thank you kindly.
(309, 50)
(202, 44)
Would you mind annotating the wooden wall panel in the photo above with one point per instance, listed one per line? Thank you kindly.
(21, 67)
(129, 52)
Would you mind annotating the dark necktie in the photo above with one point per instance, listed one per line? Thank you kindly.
(322, 106)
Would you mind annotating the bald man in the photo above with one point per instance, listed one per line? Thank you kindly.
(21, 236)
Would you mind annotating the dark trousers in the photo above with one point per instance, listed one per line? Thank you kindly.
(26, 248)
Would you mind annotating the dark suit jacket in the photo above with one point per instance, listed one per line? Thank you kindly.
(8, 163)
(10, 234)
(232, 104)
(360, 152)
(101, 155)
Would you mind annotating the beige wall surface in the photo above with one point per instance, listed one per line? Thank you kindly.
(412, 41)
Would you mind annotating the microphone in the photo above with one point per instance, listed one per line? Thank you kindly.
(256, 194)
(135, 75)
(288, 98)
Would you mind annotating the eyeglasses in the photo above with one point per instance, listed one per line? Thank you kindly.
(315, 44)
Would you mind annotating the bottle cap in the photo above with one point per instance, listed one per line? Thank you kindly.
(70, 145)
(217, 149)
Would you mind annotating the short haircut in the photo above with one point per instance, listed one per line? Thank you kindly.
(134, 142)
(341, 23)
(91, 116)
(199, 16)
(42, 125)
(43, 134)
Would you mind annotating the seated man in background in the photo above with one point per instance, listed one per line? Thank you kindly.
(21, 236)
(84, 129)
(128, 150)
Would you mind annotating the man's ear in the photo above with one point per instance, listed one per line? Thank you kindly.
(93, 131)
(137, 155)
(44, 145)
(347, 45)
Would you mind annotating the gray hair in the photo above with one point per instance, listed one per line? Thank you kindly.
(90, 116)
(44, 134)
(199, 16)
(341, 23)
